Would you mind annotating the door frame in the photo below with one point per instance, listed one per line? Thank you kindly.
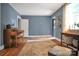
(28, 26)
(18, 19)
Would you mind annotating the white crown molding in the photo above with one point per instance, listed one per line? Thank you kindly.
(14, 8)
(1, 47)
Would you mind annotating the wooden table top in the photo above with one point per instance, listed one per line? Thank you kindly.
(71, 33)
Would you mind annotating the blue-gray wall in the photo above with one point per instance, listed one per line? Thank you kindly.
(8, 16)
(59, 12)
(0, 24)
(39, 25)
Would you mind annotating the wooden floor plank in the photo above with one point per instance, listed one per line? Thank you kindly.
(11, 51)
(29, 49)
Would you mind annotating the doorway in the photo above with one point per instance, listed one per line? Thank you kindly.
(24, 25)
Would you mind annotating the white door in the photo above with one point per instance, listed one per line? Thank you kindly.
(25, 26)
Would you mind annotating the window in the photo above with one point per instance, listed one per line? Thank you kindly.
(72, 16)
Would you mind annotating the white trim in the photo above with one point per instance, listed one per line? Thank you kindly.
(27, 21)
(1, 47)
(18, 17)
(45, 39)
(52, 38)
(13, 7)
(46, 36)
(38, 40)
(40, 36)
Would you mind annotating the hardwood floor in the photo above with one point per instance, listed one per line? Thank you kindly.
(39, 48)
(11, 51)
(35, 48)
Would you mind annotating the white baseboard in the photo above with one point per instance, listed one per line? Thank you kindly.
(48, 37)
(52, 38)
(38, 40)
(40, 36)
(1, 47)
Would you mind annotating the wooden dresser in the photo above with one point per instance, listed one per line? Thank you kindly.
(8, 42)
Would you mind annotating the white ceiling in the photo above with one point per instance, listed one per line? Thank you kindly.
(37, 9)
